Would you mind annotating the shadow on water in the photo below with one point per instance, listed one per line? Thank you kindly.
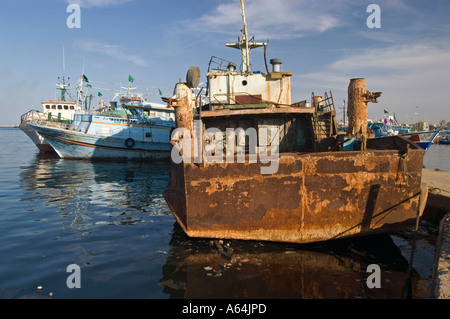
(195, 268)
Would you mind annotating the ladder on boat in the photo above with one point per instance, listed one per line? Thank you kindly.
(324, 119)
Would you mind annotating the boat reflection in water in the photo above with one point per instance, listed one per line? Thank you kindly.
(338, 269)
(90, 191)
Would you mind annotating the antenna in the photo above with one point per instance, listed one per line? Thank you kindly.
(62, 86)
(344, 115)
(64, 65)
(82, 69)
(244, 45)
(80, 86)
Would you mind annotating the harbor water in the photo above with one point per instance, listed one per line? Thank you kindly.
(111, 221)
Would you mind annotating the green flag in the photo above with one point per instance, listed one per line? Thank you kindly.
(99, 94)
(386, 112)
(130, 79)
(160, 93)
(88, 85)
(85, 79)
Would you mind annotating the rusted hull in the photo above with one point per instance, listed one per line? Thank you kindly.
(312, 197)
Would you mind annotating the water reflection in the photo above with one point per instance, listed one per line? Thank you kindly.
(89, 192)
(196, 269)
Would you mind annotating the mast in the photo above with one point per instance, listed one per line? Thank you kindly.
(81, 87)
(244, 44)
(245, 49)
(62, 86)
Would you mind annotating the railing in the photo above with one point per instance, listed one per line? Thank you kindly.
(45, 119)
(220, 63)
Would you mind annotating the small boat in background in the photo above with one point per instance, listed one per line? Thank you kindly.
(444, 138)
(423, 138)
(382, 130)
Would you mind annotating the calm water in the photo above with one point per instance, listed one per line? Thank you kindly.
(111, 220)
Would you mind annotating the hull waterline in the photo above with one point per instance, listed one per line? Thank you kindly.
(36, 138)
(76, 145)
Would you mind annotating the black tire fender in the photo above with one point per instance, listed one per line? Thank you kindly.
(129, 142)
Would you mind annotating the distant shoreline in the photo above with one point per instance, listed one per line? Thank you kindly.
(11, 125)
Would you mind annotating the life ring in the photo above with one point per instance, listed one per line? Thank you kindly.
(129, 142)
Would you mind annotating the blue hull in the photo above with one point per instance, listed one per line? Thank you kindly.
(424, 145)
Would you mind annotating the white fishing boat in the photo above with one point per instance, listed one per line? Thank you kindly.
(132, 129)
(53, 110)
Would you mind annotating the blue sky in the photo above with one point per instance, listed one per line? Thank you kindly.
(324, 43)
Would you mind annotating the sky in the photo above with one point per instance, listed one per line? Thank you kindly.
(324, 43)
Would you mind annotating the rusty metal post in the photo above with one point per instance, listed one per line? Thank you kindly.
(358, 97)
(183, 102)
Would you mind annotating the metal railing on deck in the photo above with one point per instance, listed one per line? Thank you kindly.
(45, 119)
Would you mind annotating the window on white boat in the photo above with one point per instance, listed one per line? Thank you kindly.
(66, 107)
(59, 107)
(71, 107)
(47, 107)
(53, 107)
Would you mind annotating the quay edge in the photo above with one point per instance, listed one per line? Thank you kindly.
(438, 207)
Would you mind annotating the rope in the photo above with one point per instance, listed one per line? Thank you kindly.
(402, 167)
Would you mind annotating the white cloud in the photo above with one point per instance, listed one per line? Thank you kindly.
(111, 50)
(97, 3)
(408, 75)
(405, 58)
(281, 19)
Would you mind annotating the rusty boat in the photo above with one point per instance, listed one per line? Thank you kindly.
(247, 163)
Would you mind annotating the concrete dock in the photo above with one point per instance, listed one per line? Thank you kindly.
(438, 210)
